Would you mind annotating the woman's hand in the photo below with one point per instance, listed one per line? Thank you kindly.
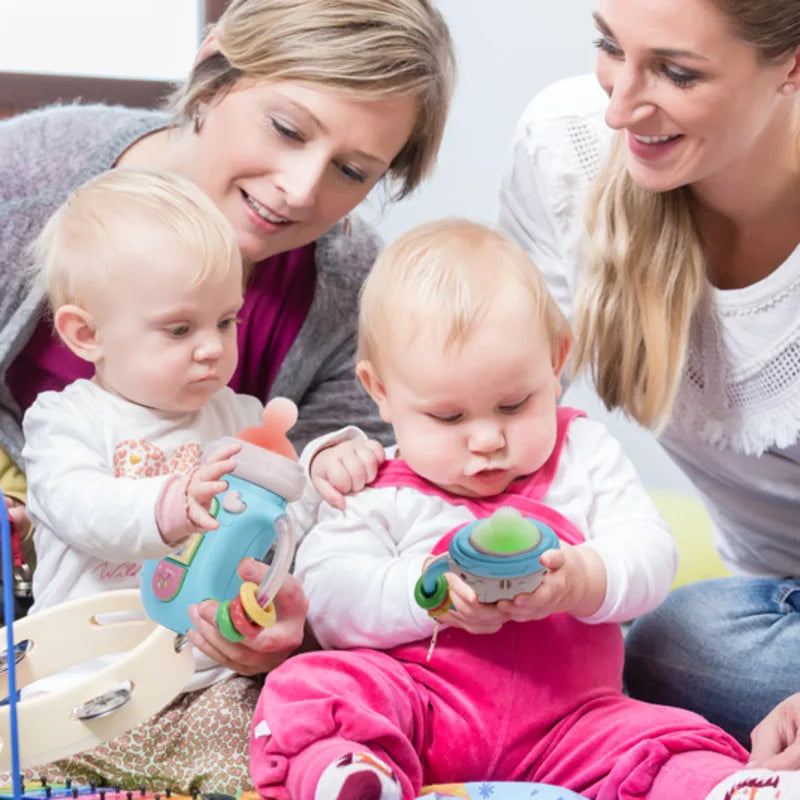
(776, 739)
(345, 468)
(272, 646)
(575, 583)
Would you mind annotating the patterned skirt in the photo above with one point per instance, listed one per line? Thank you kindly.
(198, 742)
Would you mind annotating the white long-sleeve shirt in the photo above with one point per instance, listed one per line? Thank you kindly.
(735, 428)
(359, 566)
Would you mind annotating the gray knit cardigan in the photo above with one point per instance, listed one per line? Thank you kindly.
(45, 154)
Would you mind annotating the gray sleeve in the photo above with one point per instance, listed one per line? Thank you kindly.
(318, 373)
(44, 155)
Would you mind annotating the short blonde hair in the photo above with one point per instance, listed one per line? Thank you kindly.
(89, 235)
(364, 48)
(447, 274)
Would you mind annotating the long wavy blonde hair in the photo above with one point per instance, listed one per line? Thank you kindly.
(646, 267)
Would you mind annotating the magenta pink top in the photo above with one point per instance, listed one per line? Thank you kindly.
(276, 302)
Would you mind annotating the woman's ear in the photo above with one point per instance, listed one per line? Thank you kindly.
(791, 77)
(367, 374)
(78, 331)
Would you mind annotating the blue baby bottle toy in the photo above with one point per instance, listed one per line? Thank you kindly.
(498, 557)
(252, 522)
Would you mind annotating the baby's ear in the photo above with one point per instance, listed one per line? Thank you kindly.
(78, 331)
(368, 375)
(560, 353)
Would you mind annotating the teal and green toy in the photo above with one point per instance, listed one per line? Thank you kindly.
(498, 557)
(252, 522)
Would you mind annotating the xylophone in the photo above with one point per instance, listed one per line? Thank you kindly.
(46, 790)
(42, 790)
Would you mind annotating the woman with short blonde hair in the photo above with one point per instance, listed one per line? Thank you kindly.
(294, 111)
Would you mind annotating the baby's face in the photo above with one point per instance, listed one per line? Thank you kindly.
(167, 344)
(473, 417)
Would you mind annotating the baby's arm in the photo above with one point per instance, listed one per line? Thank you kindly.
(627, 541)
(72, 490)
(359, 568)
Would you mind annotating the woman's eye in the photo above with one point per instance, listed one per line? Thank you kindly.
(607, 46)
(352, 174)
(679, 76)
(286, 132)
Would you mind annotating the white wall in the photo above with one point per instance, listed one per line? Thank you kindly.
(507, 51)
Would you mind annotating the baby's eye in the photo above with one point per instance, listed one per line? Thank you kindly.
(178, 331)
(225, 324)
(513, 408)
(446, 418)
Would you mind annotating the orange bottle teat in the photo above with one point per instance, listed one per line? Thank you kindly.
(279, 415)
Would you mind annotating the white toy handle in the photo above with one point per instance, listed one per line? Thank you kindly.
(74, 632)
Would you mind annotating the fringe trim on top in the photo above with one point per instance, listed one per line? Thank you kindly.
(751, 431)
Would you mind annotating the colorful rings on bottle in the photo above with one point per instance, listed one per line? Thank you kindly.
(438, 602)
(225, 623)
(263, 617)
(241, 621)
(243, 618)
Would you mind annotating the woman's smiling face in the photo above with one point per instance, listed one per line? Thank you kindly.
(691, 96)
(284, 161)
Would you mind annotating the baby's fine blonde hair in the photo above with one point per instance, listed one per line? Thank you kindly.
(440, 279)
(92, 236)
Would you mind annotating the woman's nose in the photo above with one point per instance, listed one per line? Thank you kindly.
(301, 178)
(628, 96)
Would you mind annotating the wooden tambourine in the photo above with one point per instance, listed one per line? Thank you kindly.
(155, 667)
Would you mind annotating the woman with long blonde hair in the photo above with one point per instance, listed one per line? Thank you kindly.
(664, 207)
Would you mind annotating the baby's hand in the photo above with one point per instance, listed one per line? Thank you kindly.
(345, 468)
(575, 583)
(205, 483)
(467, 612)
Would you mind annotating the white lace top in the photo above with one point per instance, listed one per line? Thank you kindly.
(735, 429)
